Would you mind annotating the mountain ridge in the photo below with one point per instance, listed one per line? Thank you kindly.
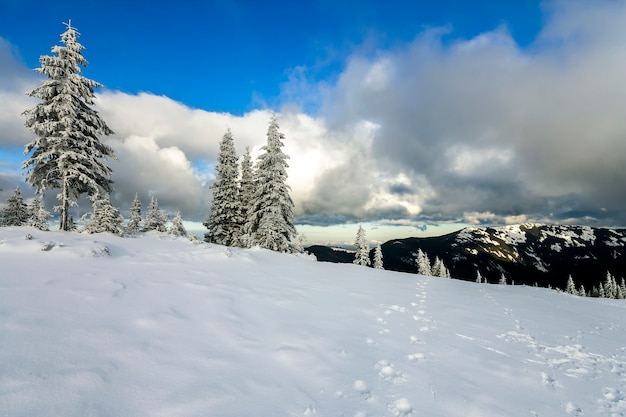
(529, 253)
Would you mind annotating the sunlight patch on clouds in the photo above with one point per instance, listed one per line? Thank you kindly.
(470, 161)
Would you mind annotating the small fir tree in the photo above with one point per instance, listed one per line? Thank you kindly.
(362, 255)
(439, 269)
(177, 228)
(226, 218)
(38, 215)
(502, 280)
(610, 286)
(269, 221)
(570, 287)
(16, 211)
(67, 153)
(134, 223)
(423, 263)
(105, 218)
(155, 219)
(378, 257)
(479, 278)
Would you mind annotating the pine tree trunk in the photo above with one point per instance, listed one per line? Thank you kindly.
(64, 223)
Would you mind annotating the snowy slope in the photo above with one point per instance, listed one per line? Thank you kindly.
(153, 326)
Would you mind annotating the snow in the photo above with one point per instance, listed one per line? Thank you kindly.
(99, 325)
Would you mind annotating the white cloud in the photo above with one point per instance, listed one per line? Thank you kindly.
(475, 130)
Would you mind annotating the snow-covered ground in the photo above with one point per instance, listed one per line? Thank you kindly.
(97, 325)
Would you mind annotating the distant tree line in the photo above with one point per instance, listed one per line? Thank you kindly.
(251, 207)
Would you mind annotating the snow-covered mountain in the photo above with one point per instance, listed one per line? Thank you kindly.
(526, 253)
(97, 325)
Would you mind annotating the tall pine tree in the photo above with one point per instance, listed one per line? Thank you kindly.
(225, 220)
(246, 189)
(67, 153)
(270, 213)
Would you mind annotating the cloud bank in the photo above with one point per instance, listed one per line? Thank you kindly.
(464, 130)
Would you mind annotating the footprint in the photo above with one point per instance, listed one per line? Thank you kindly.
(571, 408)
(551, 383)
(401, 407)
(361, 387)
(387, 372)
(416, 357)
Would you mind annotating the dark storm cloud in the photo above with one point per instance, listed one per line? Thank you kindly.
(498, 130)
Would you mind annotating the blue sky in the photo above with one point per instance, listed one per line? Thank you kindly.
(234, 56)
(408, 116)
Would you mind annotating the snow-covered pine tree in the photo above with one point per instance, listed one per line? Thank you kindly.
(581, 291)
(378, 257)
(38, 215)
(479, 278)
(155, 219)
(66, 153)
(439, 269)
(610, 286)
(16, 211)
(362, 255)
(269, 222)
(177, 228)
(423, 263)
(246, 193)
(502, 280)
(445, 271)
(226, 219)
(134, 223)
(105, 217)
(570, 287)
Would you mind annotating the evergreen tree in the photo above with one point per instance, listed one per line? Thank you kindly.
(581, 291)
(66, 153)
(362, 255)
(502, 280)
(378, 257)
(177, 228)
(423, 263)
(105, 217)
(16, 211)
(269, 221)
(479, 278)
(155, 219)
(610, 286)
(570, 288)
(622, 287)
(226, 218)
(439, 269)
(38, 215)
(246, 192)
(134, 223)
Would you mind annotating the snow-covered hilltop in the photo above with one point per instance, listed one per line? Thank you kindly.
(97, 325)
